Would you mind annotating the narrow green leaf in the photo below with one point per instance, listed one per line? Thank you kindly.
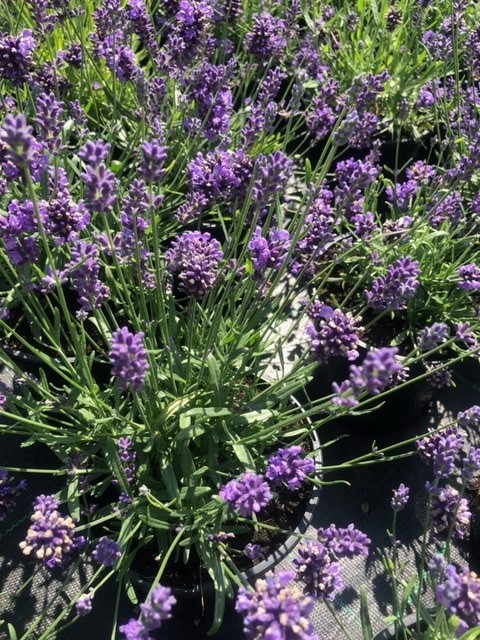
(194, 431)
(215, 378)
(189, 493)
(131, 595)
(208, 412)
(244, 456)
(253, 417)
(11, 632)
(365, 615)
(170, 480)
(72, 499)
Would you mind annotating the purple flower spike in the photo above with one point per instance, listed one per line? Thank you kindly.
(16, 56)
(51, 536)
(471, 463)
(436, 566)
(460, 595)
(267, 36)
(154, 611)
(275, 610)
(315, 567)
(448, 507)
(247, 495)
(269, 252)
(332, 332)
(379, 370)
(253, 551)
(151, 167)
(432, 336)
(17, 135)
(106, 552)
(94, 153)
(400, 497)
(440, 449)
(129, 359)
(83, 605)
(157, 607)
(470, 417)
(100, 188)
(134, 630)
(394, 289)
(344, 542)
(287, 466)
(470, 277)
(193, 258)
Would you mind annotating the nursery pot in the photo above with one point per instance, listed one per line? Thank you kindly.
(194, 608)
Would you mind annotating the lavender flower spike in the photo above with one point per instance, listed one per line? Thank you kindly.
(446, 505)
(275, 610)
(400, 497)
(106, 552)
(50, 536)
(289, 467)
(460, 595)
(83, 605)
(379, 370)
(154, 611)
(344, 542)
(129, 359)
(396, 287)
(247, 495)
(193, 258)
(316, 568)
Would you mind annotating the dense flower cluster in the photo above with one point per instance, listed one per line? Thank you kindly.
(266, 39)
(316, 568)
(470, 417)
(448, 512)
(247, 495)
(275, 610)
(51, 537)
(153, 612)
(470, 277)
(430, 337)
(316, 563)
(318, 233)
(269, 252)
(16, 56)
(288, 466)
(83, 605)
(344, 542)
(396, 287)
(194, 261)
(440, 448)
(129, 359)
(106, 552)
(400, 497)
(460, 595)
(332, 332)
(379, 369)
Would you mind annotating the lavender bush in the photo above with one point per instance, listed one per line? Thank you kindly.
(161, 241)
